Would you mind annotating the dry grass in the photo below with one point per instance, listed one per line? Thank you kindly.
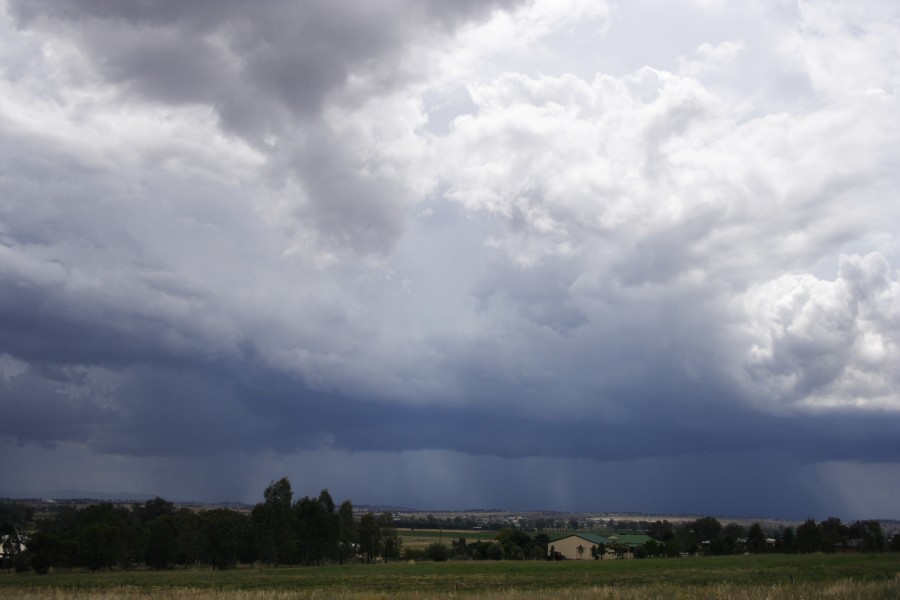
(834, 590)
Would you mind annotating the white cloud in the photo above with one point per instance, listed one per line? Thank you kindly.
(828, 344)
(711, 59)
(848, 48)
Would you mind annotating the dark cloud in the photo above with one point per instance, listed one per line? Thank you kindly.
(266, 71)
(231, 245)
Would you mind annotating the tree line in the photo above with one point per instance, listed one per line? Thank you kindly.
(509, 544)
(315, 530)
(158, 535)
(707, 535)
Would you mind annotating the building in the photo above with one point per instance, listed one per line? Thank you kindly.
(577, 546)
(589, 546)
(622, 546)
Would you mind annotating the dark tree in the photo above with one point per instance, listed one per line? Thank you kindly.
(661, 530)
(834, 534)
(809, 537)
(437, 552)
(756, 539)
(225, 537)
(514, 543)
(707, 528)
(161, 547)
(655, 548)
(317, 529)
(369, 535)
(346, 532)
(871, 534)
(99, 545)
(693, 535)
(44, 551)
(273, 524)
(788, 541)
(153, 509)
(188, 538)
(330, 527)
(390, 541)
(494, 551)
(460, 548)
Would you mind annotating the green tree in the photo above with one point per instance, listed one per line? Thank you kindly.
(460, 548)
(514, 543)
(160, 550)
(871, 534)
(99, 546)
(729, 541)
(707, 528)
(661, 530)
(809, 537)
(153, 509)
(655, 548)
(834, 534)
(694, 535)
(273, 524)
(756, 539)
(310, 522)
(494, 551)
(788, 541)
(346, 532)
(369, 535)
(437, 552)
(391, 542)
(188, 537)
(225, 537)
(43, 552)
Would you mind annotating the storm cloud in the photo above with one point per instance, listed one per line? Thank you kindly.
(524, 254)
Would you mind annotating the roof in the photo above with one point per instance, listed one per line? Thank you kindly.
(632, 539)
(588, 537)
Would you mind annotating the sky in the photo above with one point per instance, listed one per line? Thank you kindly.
(552, 254)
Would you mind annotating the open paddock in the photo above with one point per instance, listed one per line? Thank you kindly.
(751, 577)
(421, 538)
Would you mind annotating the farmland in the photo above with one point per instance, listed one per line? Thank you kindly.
(815, 575)
(420, 538)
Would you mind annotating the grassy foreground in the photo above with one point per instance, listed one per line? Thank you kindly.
(774, 577)
(837, 590)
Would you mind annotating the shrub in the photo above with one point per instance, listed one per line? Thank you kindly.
(437, 552)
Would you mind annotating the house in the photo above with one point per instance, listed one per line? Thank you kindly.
(577, 546)
(11, 546)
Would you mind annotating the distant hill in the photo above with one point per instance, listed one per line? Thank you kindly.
(79, 495)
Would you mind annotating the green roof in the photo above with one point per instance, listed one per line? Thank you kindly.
(631, 539)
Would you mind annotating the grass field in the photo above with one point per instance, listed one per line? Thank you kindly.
(420, 538)
(751, 577)
(837, 590)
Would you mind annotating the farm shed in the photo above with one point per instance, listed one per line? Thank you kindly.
(577, 546)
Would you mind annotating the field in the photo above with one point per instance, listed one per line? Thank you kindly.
(775, 577)
(420, 538)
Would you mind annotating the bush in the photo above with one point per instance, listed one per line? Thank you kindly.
(437, 552)
(413, 554)
(495, 551)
